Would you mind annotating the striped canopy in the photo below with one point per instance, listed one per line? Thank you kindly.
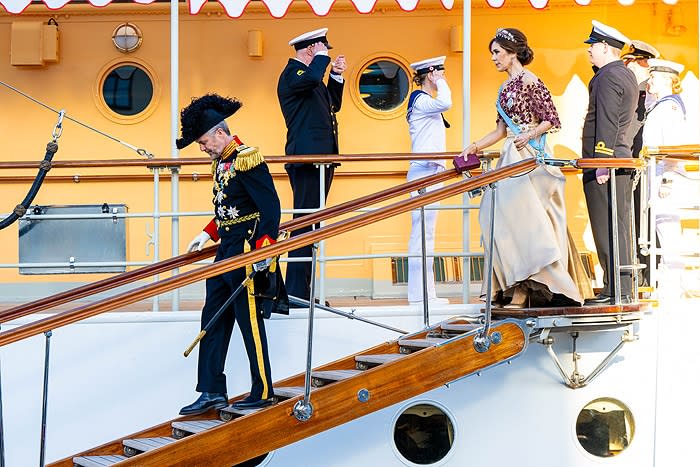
(235, 8)
(278, 8)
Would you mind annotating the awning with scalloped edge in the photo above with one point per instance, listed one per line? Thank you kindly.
(234, 8)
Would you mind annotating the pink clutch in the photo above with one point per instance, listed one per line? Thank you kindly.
(472, 162)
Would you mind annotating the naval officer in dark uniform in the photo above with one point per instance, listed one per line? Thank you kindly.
(608, 132)
(309, 108)
(246, 215)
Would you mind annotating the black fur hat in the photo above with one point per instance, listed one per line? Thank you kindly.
(203, 114)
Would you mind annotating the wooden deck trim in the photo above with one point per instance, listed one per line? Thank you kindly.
(586, 310)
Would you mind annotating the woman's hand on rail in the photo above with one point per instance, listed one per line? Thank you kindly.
(471, 149)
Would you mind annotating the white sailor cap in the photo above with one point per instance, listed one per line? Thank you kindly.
(310, 38)
(428, 65)
(666, 66)
(604, 33)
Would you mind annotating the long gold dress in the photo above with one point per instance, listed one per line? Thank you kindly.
(532, 246)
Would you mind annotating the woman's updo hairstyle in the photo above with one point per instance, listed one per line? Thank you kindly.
(514, 41)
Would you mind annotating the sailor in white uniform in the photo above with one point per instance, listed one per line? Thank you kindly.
(426, 126)
(670, 186)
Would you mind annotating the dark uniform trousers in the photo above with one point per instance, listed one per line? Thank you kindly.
(598, 199)
(305, 181)
(608, 131)
(214, 346)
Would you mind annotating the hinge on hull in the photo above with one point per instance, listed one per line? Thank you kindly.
(577, 379)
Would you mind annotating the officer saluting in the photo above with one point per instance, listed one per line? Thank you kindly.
(246, 214)
(309, 106)
(608, 132)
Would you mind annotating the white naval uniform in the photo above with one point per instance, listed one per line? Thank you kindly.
(427, 130)
(665, 125)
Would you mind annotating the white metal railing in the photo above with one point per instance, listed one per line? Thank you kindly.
(154, 240)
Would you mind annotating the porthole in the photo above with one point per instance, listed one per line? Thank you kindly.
(127, 91)
(382, 86)
(605, 427)
(423, 434)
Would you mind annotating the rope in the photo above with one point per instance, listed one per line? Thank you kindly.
(44, 167)
(139, 151)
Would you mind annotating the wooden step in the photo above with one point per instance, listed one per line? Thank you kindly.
(461, 327)
(409, 345)
(97, 461)
(363, 362)
(319, 378)
(289, 392)
(135, 446)
(182, 429)
(229, 413)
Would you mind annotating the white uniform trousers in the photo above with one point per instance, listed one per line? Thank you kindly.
(415, 265)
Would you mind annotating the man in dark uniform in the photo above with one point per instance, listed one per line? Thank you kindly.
(608, 132)
(636, 59)
(246, 214)
(309, 108)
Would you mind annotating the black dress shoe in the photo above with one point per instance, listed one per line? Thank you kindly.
(206, 401)
(599, 299)
(607, 300)
(249, 403)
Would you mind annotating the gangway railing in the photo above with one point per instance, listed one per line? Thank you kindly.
(204, 272)
(208, 252)
(174, 165)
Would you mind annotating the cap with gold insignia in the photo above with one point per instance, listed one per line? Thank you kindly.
(604, 33)
(428, 65)
(665, 66)
(309, 38)
(639, 50)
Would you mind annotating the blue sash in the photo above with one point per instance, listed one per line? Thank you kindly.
(538, 146)
(412, 99)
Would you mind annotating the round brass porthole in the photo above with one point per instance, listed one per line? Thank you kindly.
(605, 427)
(126, 91)
(381, 86)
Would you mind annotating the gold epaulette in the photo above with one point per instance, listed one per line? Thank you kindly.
(247, 159)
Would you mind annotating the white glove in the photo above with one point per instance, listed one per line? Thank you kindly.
(198, 242)
(262, 265)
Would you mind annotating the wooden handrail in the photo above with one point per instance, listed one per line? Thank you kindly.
(691, 151)
(609, 163)
(177, 162)
(188, 258)
(80, 313)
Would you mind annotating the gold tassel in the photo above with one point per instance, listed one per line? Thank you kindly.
(247, 159)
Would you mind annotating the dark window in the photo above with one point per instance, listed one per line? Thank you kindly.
(383, 85)
(447, 269)
(605, 427)
(423, 434)
(127, 90)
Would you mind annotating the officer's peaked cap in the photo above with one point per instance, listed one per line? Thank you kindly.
(203, 114)
(428, 65)
(309, 38)
(604, 33)
(640, 49)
